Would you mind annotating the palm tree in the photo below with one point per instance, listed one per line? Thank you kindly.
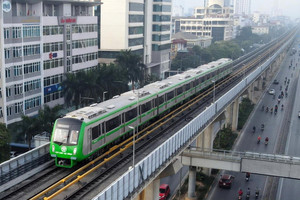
(75, 86)
(29, 127)
(133, 66)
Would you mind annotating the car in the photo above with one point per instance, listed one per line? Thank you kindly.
(276, 82)
(299, 114)
(164, 191)
(272, 91)
(226, 181)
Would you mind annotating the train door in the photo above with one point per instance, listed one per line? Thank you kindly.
(89, 141)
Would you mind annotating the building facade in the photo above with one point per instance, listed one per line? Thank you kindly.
(142, 26)
(214, 21)
(242, 7)
(40, 42)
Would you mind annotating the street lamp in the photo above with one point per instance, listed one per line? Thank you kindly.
(103, 97)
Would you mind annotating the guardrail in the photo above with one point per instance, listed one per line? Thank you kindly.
(146, 168)
(14, 170)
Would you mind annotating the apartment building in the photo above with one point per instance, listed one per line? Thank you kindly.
(40, 41)
(242, 7)
(142, 26)
(214, 21)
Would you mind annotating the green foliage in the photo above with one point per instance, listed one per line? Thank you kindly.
(224, 139)
(4, 143)
(245, 109)
(30, 126)
(206, 181)
(221, 49)
(85, 87)
(133, 66)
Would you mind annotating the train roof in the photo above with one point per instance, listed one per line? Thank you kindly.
(95, 111)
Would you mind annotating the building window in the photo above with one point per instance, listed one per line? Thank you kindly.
(9, 110)
(18, 89)
(53, 63)
(32, 85)
(30, 50)
(161, 18)
(18, 70)
(7, 73)
(18, 107)
(136, 18)
(6, 33)
(31, 31)
(84, 58)
(6, 53)
(32, 103)
(53, 80)
(136, 30)
(136, 7)
(16, 32)
(135, 42)
(161, 8)
(8, 92)
(32, 67)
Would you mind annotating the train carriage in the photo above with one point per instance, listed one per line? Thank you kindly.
(86, 131)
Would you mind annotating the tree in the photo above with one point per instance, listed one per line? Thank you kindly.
(4, 143)
(47, 117)
(133, 65)
(29, 127)
(75, 86)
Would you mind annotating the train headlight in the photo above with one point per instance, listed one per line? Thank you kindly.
(74, 151)
(53, 148)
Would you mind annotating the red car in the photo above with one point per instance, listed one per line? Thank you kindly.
(164, 191)
(226, 181)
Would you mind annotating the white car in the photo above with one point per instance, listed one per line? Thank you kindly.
(299, 114)
(272, 91)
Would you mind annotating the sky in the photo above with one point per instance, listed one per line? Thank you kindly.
(287, 7)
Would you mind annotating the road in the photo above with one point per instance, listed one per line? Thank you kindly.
(275, 129)
(288, 188)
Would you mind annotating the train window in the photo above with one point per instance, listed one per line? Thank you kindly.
(129, 115)
(113, 123)
(187, 87)
(145, 107)
(170, 95)
(73, 137)
(196, 82)
(179, 91)
(161, 100)
(95, 132)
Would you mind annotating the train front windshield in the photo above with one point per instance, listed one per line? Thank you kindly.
(67, 131)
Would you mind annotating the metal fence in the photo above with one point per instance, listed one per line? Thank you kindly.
(146, 168)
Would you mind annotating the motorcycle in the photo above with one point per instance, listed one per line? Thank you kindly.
(248, 196)
(256, 194)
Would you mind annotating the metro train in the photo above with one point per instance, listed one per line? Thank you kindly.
(88, 131)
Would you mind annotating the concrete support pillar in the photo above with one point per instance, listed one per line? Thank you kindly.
(235, 114)
(192, 184)
(250, 92)
(156, 184)
(228, 116)
(205, 141)
(148, 192)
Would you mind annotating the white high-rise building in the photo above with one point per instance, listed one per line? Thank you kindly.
(40, 41)
(242, 7)
(139, 25)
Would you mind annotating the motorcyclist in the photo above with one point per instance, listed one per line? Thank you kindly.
(267, 109)
(258, 139)
(240, 192)
(271, 110)
(266, 140)
(263, 108)
(276, 107)
(282, 107)
(256, 193)
(247, 176)
(254, 128)
(248, 193)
